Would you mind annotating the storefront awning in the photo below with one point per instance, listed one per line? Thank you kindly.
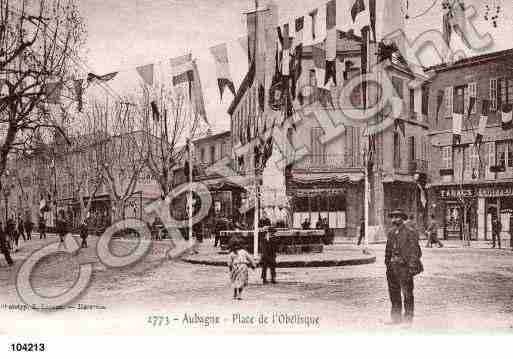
(322, 179)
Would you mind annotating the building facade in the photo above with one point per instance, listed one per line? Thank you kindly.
(328, 181)
(468, 179)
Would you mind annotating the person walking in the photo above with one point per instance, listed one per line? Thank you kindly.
(11, 232)
(84, 233)
(306, 224)
(29, 226)
(402, 260)
(268, 260)
(61, 227)
(238, 263)
(4, 247)
(21, 228)
(42, 227)
(496, 231)
(432, 233)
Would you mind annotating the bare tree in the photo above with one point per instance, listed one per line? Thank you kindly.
(123, 163)
(84, 159)
(39, 40)
(167, 121)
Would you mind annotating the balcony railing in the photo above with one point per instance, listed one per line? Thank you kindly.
(326, 162)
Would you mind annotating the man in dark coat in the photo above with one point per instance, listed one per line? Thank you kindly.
(61, 226)
(42, 227)
(4, 248)
(28, 228)
(402, 259)
(496, 231)
(268, 259)
(432, 233)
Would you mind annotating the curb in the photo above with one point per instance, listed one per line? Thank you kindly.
(295, 264)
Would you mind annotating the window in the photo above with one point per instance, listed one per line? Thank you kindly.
(397, 150)
(491, 154)
(447, 157)
(412, 100)
(425, 100)
(313, 17)
(472, 92)
(505, 154)
(448, 101)
(398, 86)
(493, 94)
(505, 91)
(501, 154)
(411, 148)
(460, 99)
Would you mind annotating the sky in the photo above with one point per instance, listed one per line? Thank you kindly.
(129, 33)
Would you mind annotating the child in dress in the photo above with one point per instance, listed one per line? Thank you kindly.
(238, 263)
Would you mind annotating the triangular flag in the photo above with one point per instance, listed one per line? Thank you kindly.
(224, 78)
(199, 101)
(471, 104)
(297, 68)
(185, 77)
(358, 7)
(146, 73)
(155, 111)
(457, 124)
(331, 30)
(423, 197)
(299, 26)
(331, 72)
(483, 121)
(507, 116)
(102, 78)
(372, 15)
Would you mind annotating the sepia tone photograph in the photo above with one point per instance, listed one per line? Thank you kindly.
(255, 167)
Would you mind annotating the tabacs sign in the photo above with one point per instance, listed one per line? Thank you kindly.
(480, 192)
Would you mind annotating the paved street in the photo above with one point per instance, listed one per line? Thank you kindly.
(461, 289)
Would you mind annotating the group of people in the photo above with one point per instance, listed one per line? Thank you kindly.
(10, 236)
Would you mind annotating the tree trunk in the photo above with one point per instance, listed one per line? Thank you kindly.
(118, 210)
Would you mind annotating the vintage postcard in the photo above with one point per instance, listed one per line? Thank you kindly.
(255, 167)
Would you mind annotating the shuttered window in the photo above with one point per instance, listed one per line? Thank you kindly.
(472, 92)
(448, 101)
(493, 94)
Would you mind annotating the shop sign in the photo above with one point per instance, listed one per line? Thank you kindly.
(495, 192)
(456, 192)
